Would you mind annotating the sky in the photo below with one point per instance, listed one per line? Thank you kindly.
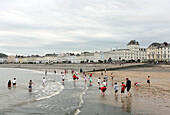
(60, 26)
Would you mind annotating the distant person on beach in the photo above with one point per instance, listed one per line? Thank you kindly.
(65, 71)
(72, 71)
(85, 78)
(43, 81)
(63, 78)
(106, 79)
(46, 72)
(148, 81)
(128, 86)
(112, 76)
(90, 80)
(90, 75)
(123, 86)
(136, 84)
(30, 85)
(75, 77)
(101, 73)
(9, 84)
(77, 72)
(105, 70)
(98, 81)
(103, 89)
(54, 71)
(14, 82)
(116, 89)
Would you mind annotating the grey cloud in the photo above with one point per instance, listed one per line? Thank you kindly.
(75, 26)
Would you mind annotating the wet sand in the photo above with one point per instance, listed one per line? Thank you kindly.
(145, 100)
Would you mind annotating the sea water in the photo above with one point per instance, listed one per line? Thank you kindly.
(53, 98)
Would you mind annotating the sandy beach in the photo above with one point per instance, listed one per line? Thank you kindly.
(148, 100)
(145, 100)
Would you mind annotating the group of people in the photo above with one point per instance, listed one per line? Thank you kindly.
(13, 83)
(103, 84)
(29, 84)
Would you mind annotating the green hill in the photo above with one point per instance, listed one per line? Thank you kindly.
(3, 55)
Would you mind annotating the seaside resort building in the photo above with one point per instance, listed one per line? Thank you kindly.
(159, 52)
(132, 53)
(3, 58)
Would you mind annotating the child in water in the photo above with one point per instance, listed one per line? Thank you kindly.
(14, 82)
(43, 81)
(30, 85)
(9, 84)
(63, 78)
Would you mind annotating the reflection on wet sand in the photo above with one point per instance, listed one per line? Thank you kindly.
(126, 104)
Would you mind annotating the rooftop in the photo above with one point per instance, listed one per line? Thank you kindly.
(133, 42)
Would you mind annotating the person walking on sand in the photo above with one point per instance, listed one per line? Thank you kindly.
(14, 82)
(98, 81)
(9, 84)
(106, 79)
(30, 85)
(101, 73)
(128, 86)
(112, 76)
(116, 89)
(103, 89)
(123, 86)
(148, 80)
(105, 70)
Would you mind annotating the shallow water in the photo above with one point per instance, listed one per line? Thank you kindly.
(53, 98)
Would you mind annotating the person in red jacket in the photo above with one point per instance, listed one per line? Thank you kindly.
(123, 86)
(75, 77)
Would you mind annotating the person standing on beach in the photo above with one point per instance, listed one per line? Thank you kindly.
(148, 80)
(112, 76)
(123, 86)
(30, 85)
(116, 89)
(103, 89)
(101, 73)
(98, 81)
(128, 86)
(9, 84)
(105, 70)
(106, 79)
(14, 82)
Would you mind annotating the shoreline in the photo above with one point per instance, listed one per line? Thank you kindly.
(157, 96)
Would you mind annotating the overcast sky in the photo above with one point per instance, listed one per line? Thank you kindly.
(59, 26)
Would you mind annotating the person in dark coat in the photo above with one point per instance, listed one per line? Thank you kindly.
(128, 86)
